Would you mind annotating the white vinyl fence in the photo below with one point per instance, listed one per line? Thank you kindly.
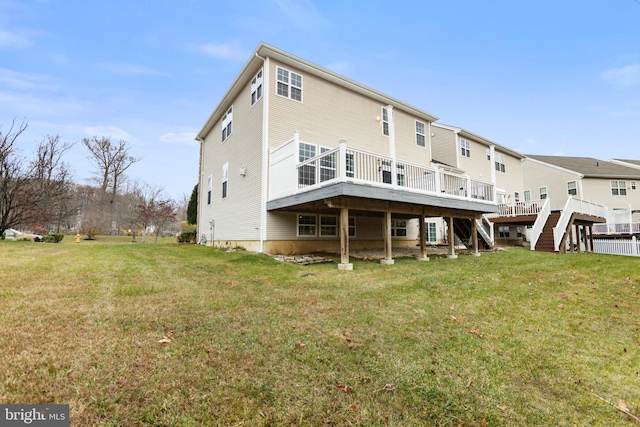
(629, 247)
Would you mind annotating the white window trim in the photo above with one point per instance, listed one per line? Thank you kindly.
(575, 188)
(225, 180)
(621, 187)
(227, 124)
(423, 134)
(315, 225)
(465, 148)
(527, 195)
(546, 192)
(257, 88)
(395, 228)
(500, 163)
(209, 188)
(289, 84)
(384, 112)
(337, 226)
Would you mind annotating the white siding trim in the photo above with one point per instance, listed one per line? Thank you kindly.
(264, 193)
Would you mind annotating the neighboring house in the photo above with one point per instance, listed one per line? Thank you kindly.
(296, 158)
(611, 184)
(483, 159)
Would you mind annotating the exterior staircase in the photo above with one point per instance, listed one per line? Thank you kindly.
(462, 230)
(545, 241)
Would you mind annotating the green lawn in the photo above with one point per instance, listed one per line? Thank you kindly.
(508, 338)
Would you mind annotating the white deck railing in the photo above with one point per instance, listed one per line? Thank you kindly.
(531, 207)
(538, 225)
(342, 164)
(574, 205)
(620, 228)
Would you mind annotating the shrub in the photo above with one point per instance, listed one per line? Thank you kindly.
(187, 237)
(53, 238)
(186, 227)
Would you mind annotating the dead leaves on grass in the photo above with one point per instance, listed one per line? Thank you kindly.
(165, 340)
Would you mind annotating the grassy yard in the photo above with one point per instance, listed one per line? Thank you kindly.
(508, 338)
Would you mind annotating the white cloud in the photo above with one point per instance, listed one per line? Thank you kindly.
(114, 132)
(129, 69)
(226, 51)
(24, 81)
(13, 40)
(186, 138)
(626, 76)
(303, 14)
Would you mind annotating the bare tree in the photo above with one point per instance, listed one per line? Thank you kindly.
(112, 161)
(14, 194)
(53, 177)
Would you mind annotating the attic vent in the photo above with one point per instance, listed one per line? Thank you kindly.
(598, 164)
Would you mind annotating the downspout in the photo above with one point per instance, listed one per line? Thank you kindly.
(198, 201)
(392, 145)
(492, 168)
(266, 87)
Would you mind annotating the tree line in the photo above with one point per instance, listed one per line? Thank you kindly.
(39, 195)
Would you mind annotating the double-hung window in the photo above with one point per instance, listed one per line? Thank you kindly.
(256, 88)
(420, 134)
(527, 195)
(619, 188)
(543, 193)
(307, 225)
(328, 226)
(572, 188)
(289, 84)
(500, 165)
(209, 186)
(465, 148)
(399, 228)
(225, 179)
(385, 121)
(227, 119)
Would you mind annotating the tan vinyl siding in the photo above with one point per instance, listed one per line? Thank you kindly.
(444, 146)
(477, 166)
(538, 175)
(511, 180)
(329, 113)
(598, 190)
(284, 226)
(237, 217)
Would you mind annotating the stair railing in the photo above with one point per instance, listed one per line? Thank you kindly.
(574, 205)
(485, 228)
(538, 225)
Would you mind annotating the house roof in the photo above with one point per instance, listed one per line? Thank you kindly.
(264, 50)
(470, 135)
(590, 167)
(630, 162)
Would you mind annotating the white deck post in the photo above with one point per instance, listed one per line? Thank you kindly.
(342, 162)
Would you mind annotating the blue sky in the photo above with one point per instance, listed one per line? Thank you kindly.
(539, 77)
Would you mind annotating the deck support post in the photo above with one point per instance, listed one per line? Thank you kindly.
(474, 237)
(452, 240)
(388, 244)
(423, 239)
(344, 240)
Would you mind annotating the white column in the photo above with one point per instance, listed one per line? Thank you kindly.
(392, 145)
(342, 160)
